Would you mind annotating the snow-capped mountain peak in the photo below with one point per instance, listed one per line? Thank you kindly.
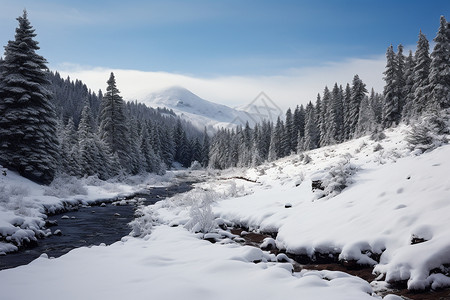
(198, 111)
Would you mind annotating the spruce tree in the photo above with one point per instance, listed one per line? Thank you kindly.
(421, 73)
(346, 107)
(408, 90)
(113, 123)
(205, 149)
(311, 140)
(357, 95)
(28, 139)
(391, 107)
(439, 77)
(324, 118)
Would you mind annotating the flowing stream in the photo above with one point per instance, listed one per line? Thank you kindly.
(89, 226)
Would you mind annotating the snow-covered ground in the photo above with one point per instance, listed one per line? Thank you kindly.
(395, 206)
(24, 204)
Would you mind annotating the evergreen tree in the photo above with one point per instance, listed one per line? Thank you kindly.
(205, 149)
(421, 73)
(87, 148)
(28, 140)
(289, 134)
(346, 107)
(113, 124)
(357, 95)
(323, 116)
(366, 119)
(439, 77)
(391, 107)
(401, 80)
(68, 150)
(335, 114)
(408, 90)
(311, 128)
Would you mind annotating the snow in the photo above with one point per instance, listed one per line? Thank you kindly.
(23, 203)
(201, 113)
(390, 211)
(173, 264)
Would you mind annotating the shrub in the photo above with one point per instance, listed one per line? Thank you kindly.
(429, 133)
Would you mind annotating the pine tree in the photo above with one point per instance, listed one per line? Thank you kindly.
(336, 118)
(205, 149)
(401, 80)
(366, 120)
(113, 124)
(391, 107)
(346, 107)
(324, 118)
(408, 90)
(28, 140)
(357, 95)
(311, 128)
(439, 77)
(289, 134)
(87, 148)
(421, 73)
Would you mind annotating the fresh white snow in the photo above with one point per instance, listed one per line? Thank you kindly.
(392, 197)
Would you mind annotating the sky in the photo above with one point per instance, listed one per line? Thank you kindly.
(224, 51)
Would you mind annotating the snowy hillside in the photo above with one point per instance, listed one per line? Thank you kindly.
(375, 203)
(198, 111)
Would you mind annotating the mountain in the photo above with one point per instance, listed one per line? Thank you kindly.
(201, 112)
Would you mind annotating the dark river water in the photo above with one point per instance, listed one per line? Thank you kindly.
(89, 226)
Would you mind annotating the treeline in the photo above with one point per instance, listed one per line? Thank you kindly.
(415, 85)
(49, 124)
(103, 135)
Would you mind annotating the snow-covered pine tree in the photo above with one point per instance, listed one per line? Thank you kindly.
(324, 118)
(299, 120)
(391, 106)
(421, 72)
(311, 128)
(87, 148)
(336, 115)
(113, 123)
(366, 120)
(274, 142)
(358, 93)
(205, 149)
(408, 91)
(68, 150)
(439, 77)
(289, 138)
(401, 61)
(28, 140)
(346, 106)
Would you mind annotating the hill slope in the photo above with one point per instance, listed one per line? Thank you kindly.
(198, 111)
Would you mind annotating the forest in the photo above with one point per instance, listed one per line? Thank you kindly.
(51, 126)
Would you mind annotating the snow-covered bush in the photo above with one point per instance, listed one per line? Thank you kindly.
(430, 132)
(337, 178)
(377, 135)
(377, 147)
(196, 166)
(143, 223)
(64, 186)
(201, 215)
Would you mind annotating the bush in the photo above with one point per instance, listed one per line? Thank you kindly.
(429, 133)
(338, 178)
(64, 185)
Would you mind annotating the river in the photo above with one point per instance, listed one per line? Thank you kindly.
(89, 226)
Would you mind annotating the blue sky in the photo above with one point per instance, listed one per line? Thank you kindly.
(216, 39)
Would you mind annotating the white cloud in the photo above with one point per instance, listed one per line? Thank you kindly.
(293, 87)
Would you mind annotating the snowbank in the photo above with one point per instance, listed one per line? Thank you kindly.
(171, 263)
(392, 198)
(24, 204)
